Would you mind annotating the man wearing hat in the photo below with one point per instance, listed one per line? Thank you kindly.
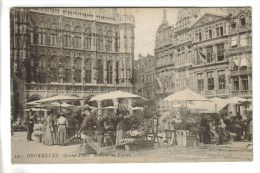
(30, 124)
(62, 124)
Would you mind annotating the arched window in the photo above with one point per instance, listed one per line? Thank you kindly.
(99, 40)
(87, 41)
(117, 42)
(42, 69)
(88, 70)
(67, 37)
(67, 68)
(109, 72)
(100, 71)
(109, 41)
(53, 35)
(77, 65)
(117, 72)
(77, 37)
(42, 34)
(242, 20)
(53, 64)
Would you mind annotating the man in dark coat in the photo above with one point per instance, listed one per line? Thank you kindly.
(87, 126)
(30, 124)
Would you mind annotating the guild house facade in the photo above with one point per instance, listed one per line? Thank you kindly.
(210, 54)
(67, 51)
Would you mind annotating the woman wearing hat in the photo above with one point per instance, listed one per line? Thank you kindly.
(49, 129)
(63, 124)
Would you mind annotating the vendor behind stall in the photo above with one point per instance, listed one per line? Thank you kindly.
(121, 129)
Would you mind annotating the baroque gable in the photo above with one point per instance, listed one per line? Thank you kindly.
(207, 18)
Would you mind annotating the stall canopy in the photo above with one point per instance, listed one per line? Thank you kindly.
(114, 95)
(137, 108)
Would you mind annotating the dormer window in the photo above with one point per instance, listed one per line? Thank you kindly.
(243, 20)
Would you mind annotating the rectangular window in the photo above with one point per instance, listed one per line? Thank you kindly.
(200, 82)
(236, 83)
(209, 54)
(219, 31)
(220, 52)
(221, 79)
(244, 83)
(210, 81)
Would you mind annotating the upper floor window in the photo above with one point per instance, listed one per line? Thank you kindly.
(198, 36)
(42, 36)
(87, 67)
(242, 20)
(200, 82)
(77, 37)
(67, 37)
(109, 41)
(87, 40)
(77, 66)
(208, 33)
(209, 50)
(109, 72)
(219, 31)
(100, 40)
(210, 81)
(220, 52)
(100, 71)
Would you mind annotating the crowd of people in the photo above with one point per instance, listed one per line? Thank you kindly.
(108, 128)
(226, 126)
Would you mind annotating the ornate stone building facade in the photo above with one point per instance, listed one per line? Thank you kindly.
(204, 54)
(145, 85)
(81, 52)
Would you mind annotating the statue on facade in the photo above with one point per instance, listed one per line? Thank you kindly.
(73, 75)
(83, 75)
(61, 74)
(49, 75)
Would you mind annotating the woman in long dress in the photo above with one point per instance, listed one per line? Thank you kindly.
(63, 124)
(49, 130)
(121, 130)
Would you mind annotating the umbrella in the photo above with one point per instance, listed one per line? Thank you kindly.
(59, 99)
(186, 95)
(109, 107)
(114, 95)
(62, 105)
(35, 109)
(32, 103)
(137, 108)
(236, 100)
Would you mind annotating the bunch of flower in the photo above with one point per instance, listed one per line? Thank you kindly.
(126, 141)
(135, 133)
(38, 130)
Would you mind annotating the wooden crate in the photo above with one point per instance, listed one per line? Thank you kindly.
(187, 140)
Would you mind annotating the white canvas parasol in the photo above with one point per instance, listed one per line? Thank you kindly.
(114, 95)
(186, 95)
(137, 108)
(236, 100)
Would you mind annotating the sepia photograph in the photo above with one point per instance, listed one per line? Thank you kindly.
(131, 85)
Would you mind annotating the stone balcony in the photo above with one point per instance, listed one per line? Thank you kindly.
(242, 93)
(240, 72)
(78, 89)
(215, 93)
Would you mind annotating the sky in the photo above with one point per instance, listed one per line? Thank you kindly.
(147, 21)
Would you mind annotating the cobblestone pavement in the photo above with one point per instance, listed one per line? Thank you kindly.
(34, 152)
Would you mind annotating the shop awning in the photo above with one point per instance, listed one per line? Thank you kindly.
(234, 41)
(245, 62)
(236, 62)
